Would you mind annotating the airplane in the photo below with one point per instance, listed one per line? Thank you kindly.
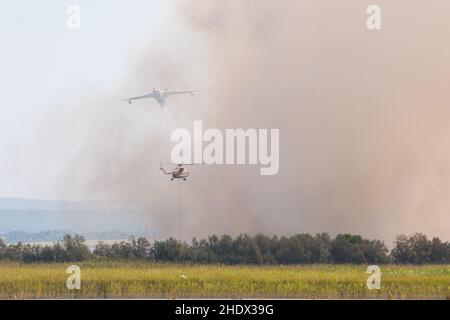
(159, 95)
(177, 173)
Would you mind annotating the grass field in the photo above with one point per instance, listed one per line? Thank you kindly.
(144, 280)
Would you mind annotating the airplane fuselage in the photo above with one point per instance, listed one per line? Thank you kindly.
(159, 97)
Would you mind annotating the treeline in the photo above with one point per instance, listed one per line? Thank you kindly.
(244, 249)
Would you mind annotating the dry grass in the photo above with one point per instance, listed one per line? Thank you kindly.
(144, 280)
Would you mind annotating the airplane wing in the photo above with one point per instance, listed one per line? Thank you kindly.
(146, 96)
(173, 93)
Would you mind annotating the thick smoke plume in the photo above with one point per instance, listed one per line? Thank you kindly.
(363, 118)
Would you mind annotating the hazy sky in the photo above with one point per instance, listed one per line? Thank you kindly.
(44, 65)
(363, 115)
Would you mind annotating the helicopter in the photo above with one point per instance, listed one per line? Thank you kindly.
(179, 172)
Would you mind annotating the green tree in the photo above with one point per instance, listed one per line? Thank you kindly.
(170, 250)
(103, 250)
(347, 248)
(140, 247)
(440, 251)
(75, 248)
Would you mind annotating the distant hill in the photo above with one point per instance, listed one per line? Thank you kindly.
(32, 216)
(57, 235)
(37, 204)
